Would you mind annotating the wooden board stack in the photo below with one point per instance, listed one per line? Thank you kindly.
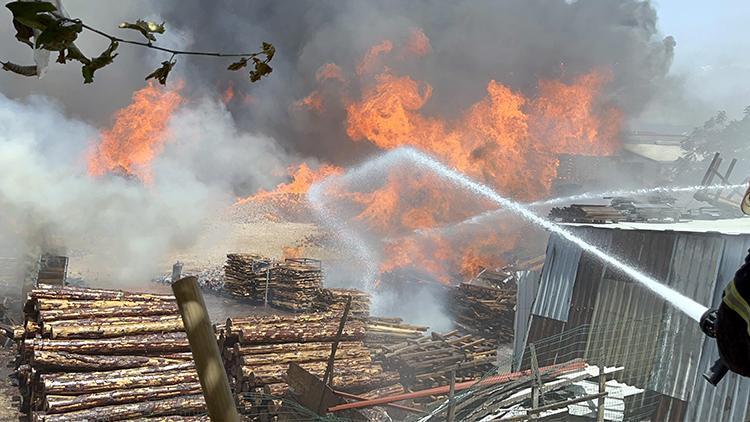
(485, 310)
(246, 276)
(297, 285)
(86, 354)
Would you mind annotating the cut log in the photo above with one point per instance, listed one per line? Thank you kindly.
(61, 404)
(72, 362)
(157, 308)
(86, 383)
(166, 407)
(144, 344)
(311, 332)
(77, 293)
(103, 330)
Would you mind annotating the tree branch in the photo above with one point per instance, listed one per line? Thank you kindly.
(156, 47)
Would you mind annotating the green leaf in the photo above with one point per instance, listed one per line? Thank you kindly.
(72, 53)
(261, 69)
(27, 8)
(238, 65)
(99, 62)
(162, 72)
(32, 14)
(145, 28)
(269, 50)
(58, 36)
(23, 33)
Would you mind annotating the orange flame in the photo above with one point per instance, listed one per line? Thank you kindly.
(418, 44)
(508, 140)
(302, 178)
(373, 57)
(138, 134)
(228, 94)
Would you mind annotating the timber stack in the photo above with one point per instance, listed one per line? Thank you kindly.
(247, 276)
(428, 361)
(94, 354)
(297, 285)
(258, 350)
(382, 331)
(334, 300)
(487, 310)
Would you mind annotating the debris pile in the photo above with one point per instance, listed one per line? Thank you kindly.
(428, 361)
(654, 209)
(487, 310)
(84, 353)
(259, 349)
(580, 213)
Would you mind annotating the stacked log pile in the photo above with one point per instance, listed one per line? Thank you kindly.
(94, 354)
(258, 351)
(486, 310)
(297, 285)
(334, 300)
(247, 275)
(428, 361)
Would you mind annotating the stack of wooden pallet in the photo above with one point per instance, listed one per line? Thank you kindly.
(258, 350)
(88, 354)
(487, 310)
(297, 284)
(247, 276)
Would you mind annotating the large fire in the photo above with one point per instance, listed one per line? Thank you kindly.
(138, 134)
(506, 139)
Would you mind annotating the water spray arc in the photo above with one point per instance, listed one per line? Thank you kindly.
(490, 215)
(414, 157)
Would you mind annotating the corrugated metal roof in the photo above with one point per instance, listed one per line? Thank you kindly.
(730, 226)
(558, 277)
(695, 265)
(729, 400)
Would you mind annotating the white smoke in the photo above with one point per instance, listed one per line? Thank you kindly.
(129, 229)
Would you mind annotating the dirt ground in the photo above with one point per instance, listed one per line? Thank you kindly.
(8, 392)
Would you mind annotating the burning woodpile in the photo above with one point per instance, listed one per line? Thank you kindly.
(88, 354)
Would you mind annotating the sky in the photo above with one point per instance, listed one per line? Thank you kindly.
(713, 49)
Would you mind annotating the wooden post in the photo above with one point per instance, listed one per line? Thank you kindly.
(536, 389)
(200, 333)
(268, 279)
(176, 271)
(328, 375)
(602, 391)
(451, 401)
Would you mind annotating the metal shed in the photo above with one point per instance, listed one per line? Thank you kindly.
(614, 320)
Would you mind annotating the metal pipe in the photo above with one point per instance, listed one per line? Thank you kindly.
(442, 390)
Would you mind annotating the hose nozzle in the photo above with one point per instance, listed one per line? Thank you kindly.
(708, 323)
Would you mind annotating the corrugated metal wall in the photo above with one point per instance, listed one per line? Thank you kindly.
(729, 400)
(558, 277)
(661, 349)
(528, 284)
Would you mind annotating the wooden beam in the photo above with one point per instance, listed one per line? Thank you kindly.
(208, 362)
